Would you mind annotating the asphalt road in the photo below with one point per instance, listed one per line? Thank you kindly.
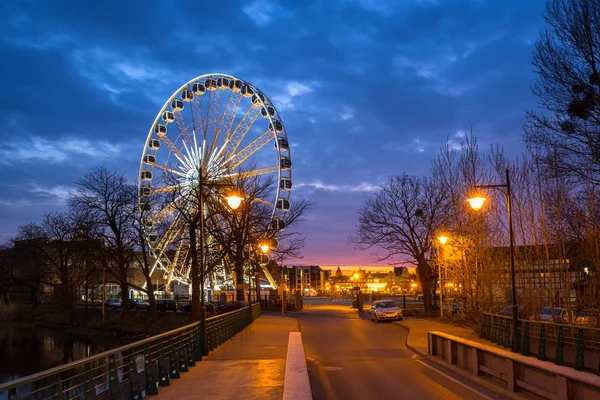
(349, 357)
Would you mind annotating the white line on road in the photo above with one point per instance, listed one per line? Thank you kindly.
(456, 381)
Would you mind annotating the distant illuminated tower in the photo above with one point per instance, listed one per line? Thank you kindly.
(338, 272)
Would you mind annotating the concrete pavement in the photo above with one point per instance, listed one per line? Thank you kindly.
(251, 365)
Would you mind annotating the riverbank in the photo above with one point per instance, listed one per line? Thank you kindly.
(90, 321)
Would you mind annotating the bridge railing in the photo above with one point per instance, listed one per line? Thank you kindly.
(572, 345)
(135, 370)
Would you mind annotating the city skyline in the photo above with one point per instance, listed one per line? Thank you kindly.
(365, 89)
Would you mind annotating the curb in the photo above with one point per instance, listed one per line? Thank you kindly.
(296, 384)
(408, 346)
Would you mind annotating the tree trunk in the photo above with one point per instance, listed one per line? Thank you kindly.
(150, 293)
(424, 273)
(195, 272)
(125, 297)
(239, 279)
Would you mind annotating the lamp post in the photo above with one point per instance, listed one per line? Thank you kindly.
(443, 240)
(476, 203)
(233, 201)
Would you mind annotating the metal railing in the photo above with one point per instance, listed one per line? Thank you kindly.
(571, 345)
(135, 370)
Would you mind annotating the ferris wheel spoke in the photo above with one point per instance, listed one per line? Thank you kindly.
(237, 159)
(183, 128)
(169, 236)
(254, 172)
(168, 169)
(241, 129)
(167, 189)
(198, 115)
(231, 108)
(165, 139)
(264, 202)
(169, 209)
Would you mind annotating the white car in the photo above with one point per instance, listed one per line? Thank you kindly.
(383, 310)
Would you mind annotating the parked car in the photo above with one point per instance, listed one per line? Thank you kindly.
(382, 310)
(455, 309)
(138, 304)
(166, 305)
(113, 303)
(507, 311)
(232, 306)
(587, 317)
(187, 307)
(552, 314)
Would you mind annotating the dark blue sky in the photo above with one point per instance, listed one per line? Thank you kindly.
(366, 89)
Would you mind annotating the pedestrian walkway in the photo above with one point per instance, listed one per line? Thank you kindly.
(417, 339)
(250, 366)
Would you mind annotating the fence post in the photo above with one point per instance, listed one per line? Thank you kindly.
(493, 328)
(135, 392)
(559, 358)
(58, 392)
(163, 372)
(579, 355)
(183, 358)
(12, 393)
(484, 327)
(517, 340)
(173, 362)
(507, 332)
(149, 370)
(542, 344)
(113, 378)
(189, 348)
(525, 347)
(89, 383)
(197, 347)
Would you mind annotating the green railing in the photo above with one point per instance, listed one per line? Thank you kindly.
(571, 345)
(135, 370)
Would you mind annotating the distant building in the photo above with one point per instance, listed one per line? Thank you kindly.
(310, 280)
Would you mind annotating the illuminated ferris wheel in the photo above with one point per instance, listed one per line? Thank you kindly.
(216, 129)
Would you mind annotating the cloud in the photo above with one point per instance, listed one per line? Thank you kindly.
(360, 187)
(59, 193)
(260, 12)
(347, 113)
(284, 101)
(136, 73)
(54, 152)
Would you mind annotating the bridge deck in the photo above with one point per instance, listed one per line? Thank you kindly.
(249, 366)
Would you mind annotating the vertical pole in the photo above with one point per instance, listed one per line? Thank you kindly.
(441, 284)
(515, 317)
(103, 290)
(202, 308)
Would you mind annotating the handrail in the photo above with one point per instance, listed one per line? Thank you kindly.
(242, 317)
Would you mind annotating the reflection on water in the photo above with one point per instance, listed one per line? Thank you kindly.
(27, 350)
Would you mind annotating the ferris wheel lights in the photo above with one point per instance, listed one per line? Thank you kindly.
(146, 175)
(177, 105)
(258, 99)
(246, 91)
(187, 95)
(223, 83)
(198, 88)
(149, 159)
(154, 144)
(267, 112)
(283, 144)
(168, 116)
(160, 130)
(285, 184)
(211, 84)
(283, 204)
(285, 163)
(235, 85)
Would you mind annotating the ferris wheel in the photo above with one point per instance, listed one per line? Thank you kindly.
(215, 128)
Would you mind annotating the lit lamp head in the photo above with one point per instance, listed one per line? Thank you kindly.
(476, 202)
(234, 201)
(443, 239)
(355, 276)
(265, 248)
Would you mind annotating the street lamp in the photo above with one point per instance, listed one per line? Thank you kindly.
(233, 201)
(443, 240)
(476, 203)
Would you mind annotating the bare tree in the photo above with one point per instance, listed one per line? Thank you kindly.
(566, 59)
(401, 220)
(110, 200)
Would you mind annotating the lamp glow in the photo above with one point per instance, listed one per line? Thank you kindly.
(476, 202)
(443, 239)
(265, 248)
(234, 201)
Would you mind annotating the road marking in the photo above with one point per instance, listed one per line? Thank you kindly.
(456, 381)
